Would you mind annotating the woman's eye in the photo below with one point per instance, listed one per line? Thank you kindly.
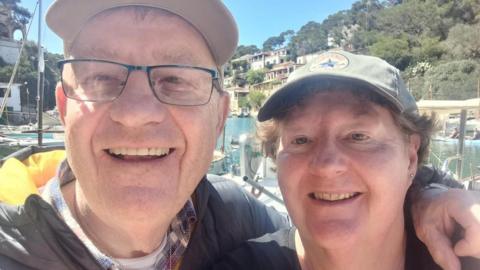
(359, 137)
(300, 140)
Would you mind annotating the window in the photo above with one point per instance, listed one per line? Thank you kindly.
(2, 92)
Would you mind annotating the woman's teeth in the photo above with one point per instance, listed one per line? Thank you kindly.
(332, 196)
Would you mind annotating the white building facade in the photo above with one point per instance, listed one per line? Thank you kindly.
(13, 101)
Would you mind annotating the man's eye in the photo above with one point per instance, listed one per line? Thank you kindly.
(172, 79)
(300, 140)
(359, 137)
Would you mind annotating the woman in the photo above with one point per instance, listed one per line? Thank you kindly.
(347, 139)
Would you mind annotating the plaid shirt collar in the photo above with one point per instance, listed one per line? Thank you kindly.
(177, 237)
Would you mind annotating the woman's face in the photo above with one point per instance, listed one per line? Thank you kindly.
(344, 168)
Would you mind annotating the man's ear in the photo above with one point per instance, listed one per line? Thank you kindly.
(223, 110)
(61, 100)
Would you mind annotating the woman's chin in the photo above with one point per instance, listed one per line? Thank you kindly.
(334, 234)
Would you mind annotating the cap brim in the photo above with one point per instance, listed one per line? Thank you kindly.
(211, 18)
(292, 93)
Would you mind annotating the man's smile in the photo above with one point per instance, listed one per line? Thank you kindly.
(142, 153)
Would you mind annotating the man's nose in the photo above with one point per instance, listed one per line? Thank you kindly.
(137, 105)
(327, 160)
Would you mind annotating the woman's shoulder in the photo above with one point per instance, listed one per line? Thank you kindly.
(271, 251)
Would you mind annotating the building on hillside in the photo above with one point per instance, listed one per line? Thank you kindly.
(275, 77)
(304, 59)
(281, 72)
(268, 59)
(247, 58)
(13, 101)
(277, 57)
(242, 63)
(236, 93)
(228, 81)
(258, 61)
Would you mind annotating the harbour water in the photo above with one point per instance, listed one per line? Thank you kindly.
(441, 150)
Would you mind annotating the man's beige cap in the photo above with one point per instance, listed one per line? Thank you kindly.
(210, 17)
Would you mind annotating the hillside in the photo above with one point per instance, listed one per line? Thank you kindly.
(435, 43)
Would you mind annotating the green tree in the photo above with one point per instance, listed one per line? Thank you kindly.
(256, 99)
(243, 102)
(311, 37)
(20, 14)
(241, 65)
(393, 50)
(428, 50)
(255, 76)
(274, 43)
(463, 41)
(409, 19)
(244, 50)
(365, 12)
(452, 80)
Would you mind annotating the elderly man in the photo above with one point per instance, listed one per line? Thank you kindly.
(142, 105)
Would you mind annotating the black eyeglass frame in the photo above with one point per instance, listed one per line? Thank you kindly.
(147, 69)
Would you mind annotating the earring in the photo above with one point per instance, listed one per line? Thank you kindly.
(411, 175)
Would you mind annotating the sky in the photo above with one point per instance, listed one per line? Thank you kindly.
(257, 19)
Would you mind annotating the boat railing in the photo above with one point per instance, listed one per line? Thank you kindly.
(262, 190)
(446, 165)
(434, 158)
(253, 167)
(472, 182)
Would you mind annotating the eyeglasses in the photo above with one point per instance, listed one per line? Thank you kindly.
(99, 80)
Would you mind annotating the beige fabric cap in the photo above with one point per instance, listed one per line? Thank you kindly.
(210, 17)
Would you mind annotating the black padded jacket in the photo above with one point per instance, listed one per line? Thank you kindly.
(33, 237)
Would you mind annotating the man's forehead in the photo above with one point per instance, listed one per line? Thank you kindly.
(164, 56)
(148, 20)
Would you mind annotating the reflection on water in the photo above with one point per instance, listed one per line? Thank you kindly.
(233, 129)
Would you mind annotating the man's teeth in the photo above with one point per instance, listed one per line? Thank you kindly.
(333, 196)
(154, 151)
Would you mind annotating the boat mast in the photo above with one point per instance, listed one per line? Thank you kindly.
(41, 69)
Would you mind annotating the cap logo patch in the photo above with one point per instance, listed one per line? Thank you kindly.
(329, 62)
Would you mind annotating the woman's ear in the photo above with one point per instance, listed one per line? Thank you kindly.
(413, 146)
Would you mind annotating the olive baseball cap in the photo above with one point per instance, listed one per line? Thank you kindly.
(366, 73)
(210, 17)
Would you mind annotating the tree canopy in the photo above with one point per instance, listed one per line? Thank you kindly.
(428, 40)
